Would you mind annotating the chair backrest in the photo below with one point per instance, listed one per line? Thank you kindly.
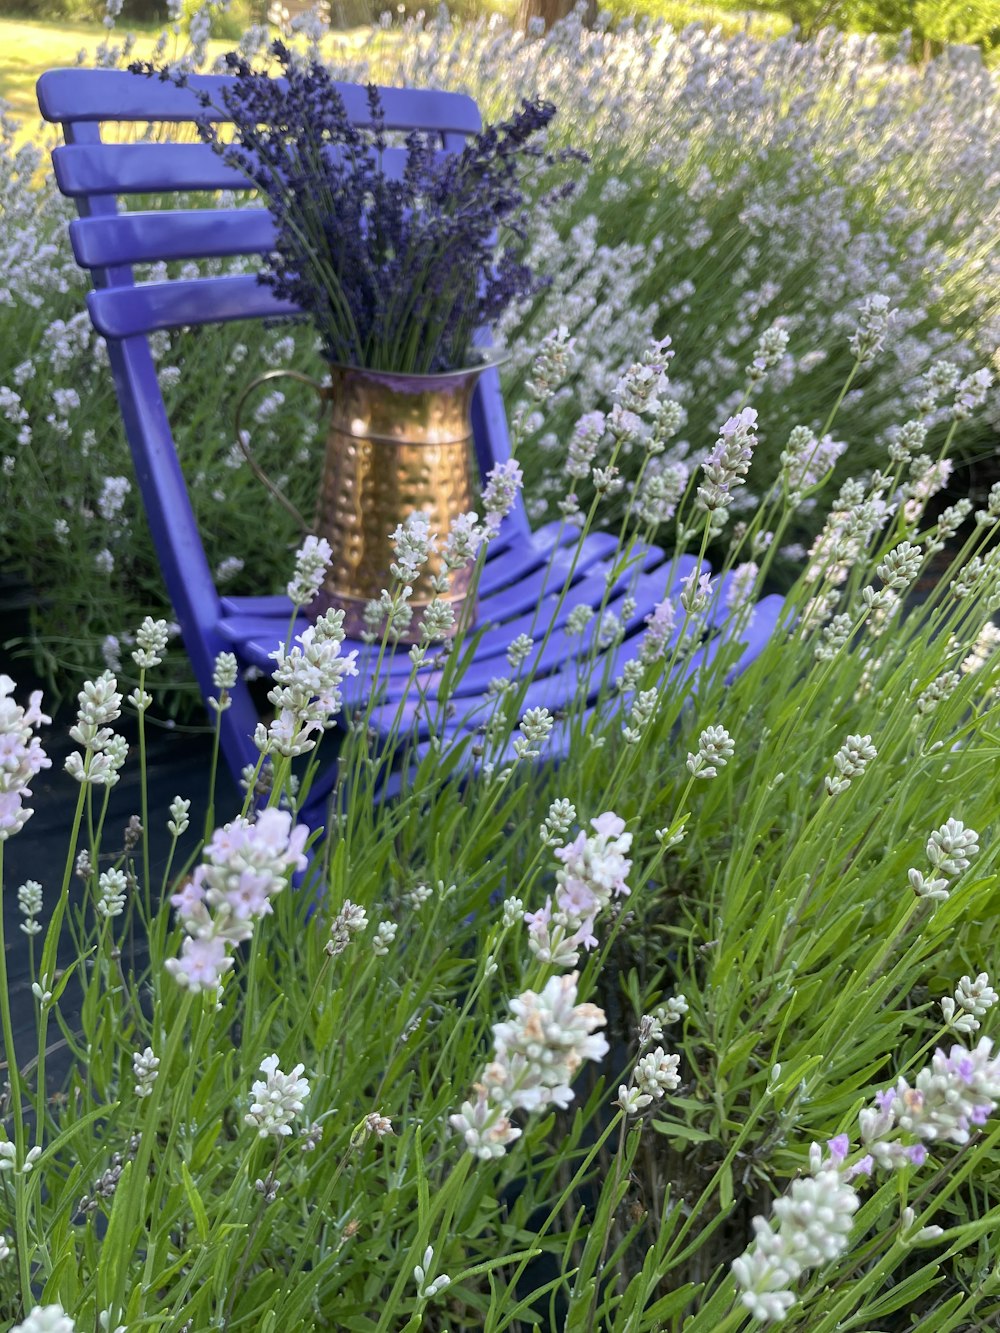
(98, 173)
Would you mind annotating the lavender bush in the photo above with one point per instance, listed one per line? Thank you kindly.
(693, 1029)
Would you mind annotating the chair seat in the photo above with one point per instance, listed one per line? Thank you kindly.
(521, 593)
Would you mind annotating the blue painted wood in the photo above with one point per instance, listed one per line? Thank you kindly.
(153, 168)
(78, 96)
(191, 233)
(521, 591)
(123, 312)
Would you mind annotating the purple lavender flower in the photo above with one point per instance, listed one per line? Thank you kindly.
(396, 270)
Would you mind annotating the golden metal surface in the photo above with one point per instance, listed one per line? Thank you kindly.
(397, 445)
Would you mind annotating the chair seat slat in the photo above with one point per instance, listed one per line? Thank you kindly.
(256, 625)
(74, 95)
(195, 233)
(123, 312)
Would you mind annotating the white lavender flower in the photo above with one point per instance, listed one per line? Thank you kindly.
(151, 637)
(384, 936)
(874, 318)
(939, 378)
(46, 1319)
(941, 688)
(657, 497)
(715, 749)
(145, 1067)
(814, 1223)
(632, 1099)
(537, 1053)
(377, 1124)
(518, 651)
(906, 440)
(513, 909)
(29, 901)
(426, 1289)
(741, 585)
(276, 1099)
(311, 563)
(970, 394)
(849, 762)
(307, 693)
(178, 823)
(984, 648)
(437, 621)
(349, 921)
(112, 889)
(584, 443)
(771, 347)
(900, 566)
(975, 998)
(111, 501)
(225, 671)
(503, 485)
(535, 728)
(949, 850)
(660, 625)
(551, 365)
(949, 1099)
(991, 514)
(103, 752)
(729, 461)
(656, 1074)
(462, 541)
(413, 544)
(641, 713)
(484, 1126)
(696, 592)
(244, 866)
(557, 822)
(418, 895)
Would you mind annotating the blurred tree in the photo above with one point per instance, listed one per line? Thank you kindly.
(933, 23)
(963, 21)
(549, 11)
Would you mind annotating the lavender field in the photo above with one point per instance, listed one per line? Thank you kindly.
(664, 999)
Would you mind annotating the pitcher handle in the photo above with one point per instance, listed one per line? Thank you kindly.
(242, 441)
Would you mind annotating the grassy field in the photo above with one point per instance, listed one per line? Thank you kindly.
(29, 47)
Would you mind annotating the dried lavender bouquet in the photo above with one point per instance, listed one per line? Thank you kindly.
(396, 269)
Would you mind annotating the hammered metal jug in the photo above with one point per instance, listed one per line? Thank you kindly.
(396, 445)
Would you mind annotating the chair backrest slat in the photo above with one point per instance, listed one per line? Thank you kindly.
(123, 312)
(155, 168)
(142, 168)
(118, 96)
(190, 233)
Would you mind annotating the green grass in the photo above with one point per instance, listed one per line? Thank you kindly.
(28, 47)
(679, 13)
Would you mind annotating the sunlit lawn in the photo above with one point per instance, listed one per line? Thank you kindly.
(27, 48)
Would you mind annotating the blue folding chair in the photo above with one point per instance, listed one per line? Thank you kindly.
(524, 571)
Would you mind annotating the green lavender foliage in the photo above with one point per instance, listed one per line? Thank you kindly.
(812, 975)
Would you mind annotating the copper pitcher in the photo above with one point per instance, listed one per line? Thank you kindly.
(396, 445)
